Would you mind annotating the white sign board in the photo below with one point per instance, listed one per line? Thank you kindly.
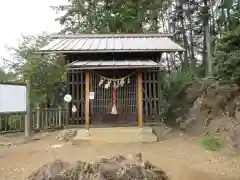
(91, 95)
(13, 98)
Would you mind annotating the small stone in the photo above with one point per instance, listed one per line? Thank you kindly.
(8, 144)
(35, 138)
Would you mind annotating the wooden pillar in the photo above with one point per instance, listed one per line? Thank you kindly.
(90, 100)
(28, 126)
(87, 81)
(140, 99)
(38, 116)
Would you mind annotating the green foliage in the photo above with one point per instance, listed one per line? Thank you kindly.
(211, 144)
(46, 73)
(7, 76)
(110, 16)
(15, 121)
(143, 16)
(173, 82)
(45, 77)
(227, 58)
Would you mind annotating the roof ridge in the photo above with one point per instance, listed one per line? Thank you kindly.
(113, 35)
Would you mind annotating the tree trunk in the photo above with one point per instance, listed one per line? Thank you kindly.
(183, 32)
(208, 38)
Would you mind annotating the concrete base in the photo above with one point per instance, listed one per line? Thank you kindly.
(115, 135)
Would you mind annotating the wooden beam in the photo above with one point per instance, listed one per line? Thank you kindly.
(87, 81)
(140, 99)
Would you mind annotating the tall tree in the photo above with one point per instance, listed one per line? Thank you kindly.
(46, 73)
(199, 23)
(227, 57)
(104, 16)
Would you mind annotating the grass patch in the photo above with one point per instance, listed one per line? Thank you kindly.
(211, 143)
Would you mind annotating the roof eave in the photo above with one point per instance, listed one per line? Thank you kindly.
(107, 51)
(112, 67)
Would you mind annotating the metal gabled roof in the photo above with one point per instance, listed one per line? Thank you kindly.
(111, 43)
(113, 64)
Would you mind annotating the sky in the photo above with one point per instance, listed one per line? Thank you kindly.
(25, 17)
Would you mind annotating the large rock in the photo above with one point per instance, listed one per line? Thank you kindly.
(48, 171)
(67, 134)
(106, 168)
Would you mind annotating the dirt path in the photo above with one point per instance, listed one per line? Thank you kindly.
(180, 158)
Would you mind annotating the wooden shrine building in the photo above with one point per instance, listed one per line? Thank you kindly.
(113, 78)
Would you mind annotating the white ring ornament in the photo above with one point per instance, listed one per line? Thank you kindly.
(67, 98)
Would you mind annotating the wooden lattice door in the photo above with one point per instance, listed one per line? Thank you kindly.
(101, 105)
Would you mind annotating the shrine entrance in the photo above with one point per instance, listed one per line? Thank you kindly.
(115, 97)
(113, 78)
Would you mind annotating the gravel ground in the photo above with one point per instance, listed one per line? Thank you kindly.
(181, 158)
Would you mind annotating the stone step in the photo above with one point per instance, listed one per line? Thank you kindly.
(115, 135)
(121, 129)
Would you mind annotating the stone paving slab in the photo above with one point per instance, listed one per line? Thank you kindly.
(115, 135)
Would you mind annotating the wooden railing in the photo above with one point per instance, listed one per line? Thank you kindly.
(40, 119)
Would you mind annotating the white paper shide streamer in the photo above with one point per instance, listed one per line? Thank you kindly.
(116, 84)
